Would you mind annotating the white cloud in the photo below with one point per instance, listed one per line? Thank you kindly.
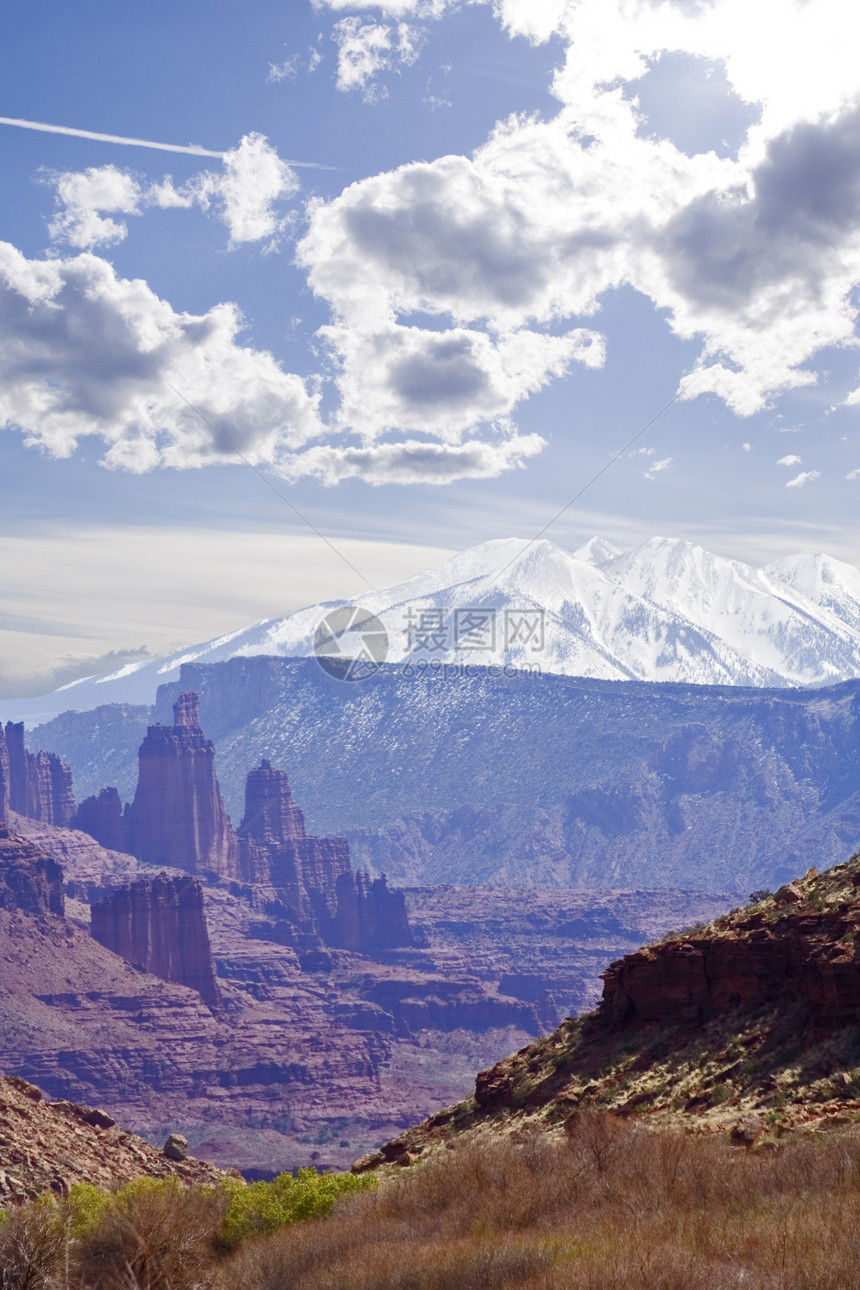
(805, 477)
(748, 257)
(747, 447)
(245, 194)
(84, 196)
(366, 49)
(445, 383)
(656, 467)
(853, 474)
(253, 181)
(791, 460)
(85, 352)
(287, 70)
(414, 462)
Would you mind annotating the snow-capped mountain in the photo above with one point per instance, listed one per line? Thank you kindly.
(666, 611)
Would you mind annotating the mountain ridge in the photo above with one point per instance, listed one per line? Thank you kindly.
(666, 611)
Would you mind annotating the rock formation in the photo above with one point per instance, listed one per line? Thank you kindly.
(38, 785)
(178, 817)
(29, 881)
(368, 915)
(160, 927)
(275, 849)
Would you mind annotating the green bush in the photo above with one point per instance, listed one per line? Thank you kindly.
(261, 1207)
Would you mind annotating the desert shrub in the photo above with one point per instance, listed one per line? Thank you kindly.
(32, 1241)
(152, 1234)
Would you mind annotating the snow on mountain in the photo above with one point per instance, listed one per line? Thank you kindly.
(666, 611)
(831, 584)
(764, 618)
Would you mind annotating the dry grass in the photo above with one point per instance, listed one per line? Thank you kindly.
(611, 1207)
(608, 1205)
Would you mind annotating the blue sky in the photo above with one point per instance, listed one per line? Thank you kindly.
(524, 227)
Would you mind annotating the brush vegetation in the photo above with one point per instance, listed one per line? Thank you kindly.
(602, 1204)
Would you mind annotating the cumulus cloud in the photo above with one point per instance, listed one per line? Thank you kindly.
(86, 352)
(85, 197)
(245, 194)
(366, 49)
(791, 460)
(754, 257)
(805, 477)
(445, 382)
(853, 474)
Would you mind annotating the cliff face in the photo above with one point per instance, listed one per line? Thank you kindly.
(38, 785)
(160, 926)
(800, 946)
(29, 881)
(178, 817)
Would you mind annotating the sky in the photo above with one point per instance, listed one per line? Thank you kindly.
(389, 280)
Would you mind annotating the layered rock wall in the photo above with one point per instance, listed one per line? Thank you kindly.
(810, 957)
(276, 850)
(160, 926)
(101, 818)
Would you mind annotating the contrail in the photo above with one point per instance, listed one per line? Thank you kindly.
(193, 148)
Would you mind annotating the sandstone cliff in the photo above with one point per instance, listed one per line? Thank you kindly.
(101, 818)
(38, 785)
(178, 816)
(368, 915)
(160, 927)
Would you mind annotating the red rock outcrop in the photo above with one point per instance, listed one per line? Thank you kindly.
(178, 817)
(807, 956)
(160, 927)
(38, 785)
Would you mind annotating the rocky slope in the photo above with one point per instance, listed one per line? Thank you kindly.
(749, 1024)
(50, 1146)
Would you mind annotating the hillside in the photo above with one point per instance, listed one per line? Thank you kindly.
(749, 1024)
(667, 611)
(47, 1145)
(547, 781)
